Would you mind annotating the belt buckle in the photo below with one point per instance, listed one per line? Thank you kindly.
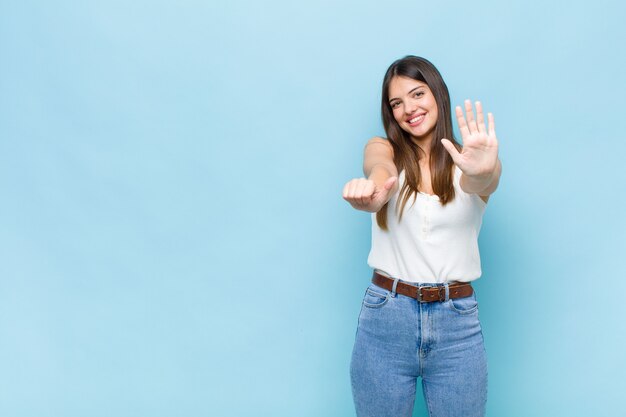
(441, 292)
(419, 294)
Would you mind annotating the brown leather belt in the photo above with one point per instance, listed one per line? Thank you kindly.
(424, 294)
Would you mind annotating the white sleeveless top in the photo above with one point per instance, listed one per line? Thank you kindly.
(432, 243)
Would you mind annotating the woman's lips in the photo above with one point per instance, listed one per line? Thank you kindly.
(417, 120)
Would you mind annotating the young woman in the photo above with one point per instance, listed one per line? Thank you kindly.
(427, 195)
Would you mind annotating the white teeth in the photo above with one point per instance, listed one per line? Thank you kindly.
(415, 119)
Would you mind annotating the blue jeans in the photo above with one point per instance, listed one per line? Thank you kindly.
(399, 339)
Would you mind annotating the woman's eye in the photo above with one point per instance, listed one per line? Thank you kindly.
(394, 105)
(419, 93)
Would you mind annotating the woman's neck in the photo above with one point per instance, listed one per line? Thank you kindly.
(424, 145)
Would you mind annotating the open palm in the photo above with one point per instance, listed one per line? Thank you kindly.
(479, 155)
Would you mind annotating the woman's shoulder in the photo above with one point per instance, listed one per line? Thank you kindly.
(380, 141)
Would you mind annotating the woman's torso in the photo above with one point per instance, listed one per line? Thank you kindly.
(432, 243)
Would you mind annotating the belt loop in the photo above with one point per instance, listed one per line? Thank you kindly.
(393, 288)
(447, 292)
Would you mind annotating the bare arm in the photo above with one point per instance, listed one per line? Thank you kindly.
(381, 178)
(479, 158)
(484, 185)
(378, 164)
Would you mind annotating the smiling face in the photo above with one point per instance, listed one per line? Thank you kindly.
(414, 108)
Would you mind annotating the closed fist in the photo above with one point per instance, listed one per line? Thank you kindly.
(364, 194)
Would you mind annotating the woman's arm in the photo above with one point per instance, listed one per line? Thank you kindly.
(479, 158)
(372, 192)
(378, 164)
(483, 186)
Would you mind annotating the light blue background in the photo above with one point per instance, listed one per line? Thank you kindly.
(173, 241)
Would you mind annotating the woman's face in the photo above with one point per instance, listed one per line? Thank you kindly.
(414, 107)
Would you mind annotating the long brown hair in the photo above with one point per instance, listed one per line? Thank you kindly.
(406, 152)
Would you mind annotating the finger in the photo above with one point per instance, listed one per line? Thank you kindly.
(365, 191)
(358, 191)
(471, 123)
(352, 189)
(346, 189)
(382, 192)
(462, 123)
(480, 118)
(390, 182)
(492, 125)
(451, 149)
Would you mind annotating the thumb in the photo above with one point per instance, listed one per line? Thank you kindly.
(382, 194)
(451, 149)
(389, 183)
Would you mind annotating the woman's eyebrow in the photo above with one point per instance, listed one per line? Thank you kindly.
(419, 86)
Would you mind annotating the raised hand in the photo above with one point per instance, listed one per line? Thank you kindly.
(479, 156)
(364, 194)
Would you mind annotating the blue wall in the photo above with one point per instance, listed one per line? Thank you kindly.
(173, 240)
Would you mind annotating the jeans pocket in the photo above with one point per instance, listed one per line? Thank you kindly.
(375, 298)
(464, 305)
